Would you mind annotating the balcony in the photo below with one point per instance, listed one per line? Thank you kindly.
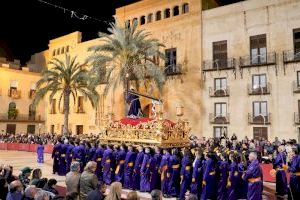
(219, 118)
(31, 94)
(14, 93)
(215, 65)
(296, 118)
(221, 92)
(257, 61)
(259, 90)
(21, 118)
(173, 70)
(259, 119)
(291, 56)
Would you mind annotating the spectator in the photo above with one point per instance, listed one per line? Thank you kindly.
(15, 191)
(72, 178)
(72, 196)
(41, 195)
(3, 188)
(24, 176)
(41, 183)
(133, 196)
(36, 176)
(156, 195)
(6, 172)
(98, 193)
(115, 191)
(30, 192)
(50, 186)
(88, 179)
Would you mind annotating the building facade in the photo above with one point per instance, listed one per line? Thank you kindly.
(234, 68)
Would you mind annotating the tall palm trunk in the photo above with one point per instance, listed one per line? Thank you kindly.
(66, 111)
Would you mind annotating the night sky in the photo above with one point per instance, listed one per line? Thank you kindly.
(26, 26)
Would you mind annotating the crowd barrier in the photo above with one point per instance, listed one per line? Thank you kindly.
(48, 149)
(24, 147)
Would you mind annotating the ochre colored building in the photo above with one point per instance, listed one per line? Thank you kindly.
(234, 68)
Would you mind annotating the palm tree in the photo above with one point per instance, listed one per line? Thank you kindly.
(66, 78)
(127, 54)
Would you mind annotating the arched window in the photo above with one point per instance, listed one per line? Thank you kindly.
(57, 51)
(142, 20)
(135, 21)
(127, 23)
(158, 15)
(167, 13)
(67, 48)
(62, 50)
(176, 11)
(53, 53)
(185, 8)
(150, 18)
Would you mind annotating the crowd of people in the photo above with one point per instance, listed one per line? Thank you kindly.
(215, 168)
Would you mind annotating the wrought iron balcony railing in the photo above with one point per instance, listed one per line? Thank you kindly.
(296, 118)
(221, 92)
(262, 119)
(258, 60)
(291, 56)
(21, 118)
(171, 70)
(259, 90)
(14, 93)
(219, 118)
(223, 64)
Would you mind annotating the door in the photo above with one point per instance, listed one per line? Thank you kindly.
(79, 129)
(11, 128)
(260, 132)
(31, 129)
(52, 129)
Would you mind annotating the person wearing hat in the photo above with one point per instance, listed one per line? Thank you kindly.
(24, 176)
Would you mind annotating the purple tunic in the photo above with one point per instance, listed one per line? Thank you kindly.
(186, 173)
(232, 179)
(108, 166)
(69, 156)
(79, 156)
(155, 176)
(91, 154)
(62, 160)
(281, 180)
(173, 176)
(145, 173)
(128, 169)
(222, 189)
(120, 162)
(209, 189)
(294, 167)
(134, 103)
(98, 159)
(163, 171)
(137, 170)
(255, 184)
(40, 153)
(242, 187)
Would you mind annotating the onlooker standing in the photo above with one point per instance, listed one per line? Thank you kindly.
(3, 188)
(72, 178)
(15, 191)
(50, 186)
(36, 176)
(115, 191)
(40, 152)
(98, 193)
(30, 192)
(88, 179)
(24, 176)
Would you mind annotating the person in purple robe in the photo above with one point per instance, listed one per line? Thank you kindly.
(242, 187)
(223, 176)
(55, 156)
(137, 168)
(120, 162)
(108, 165)
(197, 177)
(294, 169)
(254, 177)
(62, 159)
(163, 167)
(232, 177)
(173, 174)
(40, 152)
(69, 155)
(209, 183)
(98, 159)
(154, 168)
(91, 152)
(279, 165)
(79, 154)
(134, 104)
(186, 172)
(145, 171)
(129, 167)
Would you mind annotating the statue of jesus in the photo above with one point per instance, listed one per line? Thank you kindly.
(134, 105)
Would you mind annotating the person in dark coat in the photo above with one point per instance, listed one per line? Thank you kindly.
(56, 156)
(98, 193)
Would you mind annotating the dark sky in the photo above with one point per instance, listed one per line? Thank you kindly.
(26, 26)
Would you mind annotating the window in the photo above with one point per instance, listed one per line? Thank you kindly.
(142, 20)
(167, 13)
(53, 106)
(260, 108)
(298, 78)
(220, 109)
(79, 129)
(31, 112)
(258, 49)
(170, 60)
(67, 48)
(80, 105)
(150, 18)
(52, 129)
(31, 129)
(297, 43)
(11, 128)
(57, 51)
(135, 21)
(219, 131)
(185, 8)
(259, 81)
(127, 23)
(158, 15)
(53, 53)
(62, 50)
(220, 54)
(176, 11)
(220, 84)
